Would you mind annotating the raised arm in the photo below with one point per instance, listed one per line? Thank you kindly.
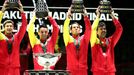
(118, 30)
(2, 36)
(32, 36)
(20, 34)
(66, 34)
(94, 28)
(55, 33)
(87, 32)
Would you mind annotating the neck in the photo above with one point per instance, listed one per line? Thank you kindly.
(102, 39)
(10, 35)
(75, 36)
(42, 40)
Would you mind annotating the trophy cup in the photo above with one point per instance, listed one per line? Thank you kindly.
(77, 6)
(105, 6)
(12, 3)
(46, 60)
(41, 8)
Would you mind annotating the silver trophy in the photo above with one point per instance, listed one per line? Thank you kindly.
(47, 60)
(105, 6)
(41, 8)
(77, 6)
(12, 3)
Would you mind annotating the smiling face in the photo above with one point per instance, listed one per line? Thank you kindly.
(101, 31)
(43, 33)
(8, 27)
(75, 29)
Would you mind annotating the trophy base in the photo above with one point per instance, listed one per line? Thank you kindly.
(77, 11)
(77, 8)
(105, 3)
(12, 4)
(41, 14)
(105, 7)
(105, 11)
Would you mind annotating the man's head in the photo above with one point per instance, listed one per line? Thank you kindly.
(75, 28)
(101, 30)
(8, 26)
(43, 32)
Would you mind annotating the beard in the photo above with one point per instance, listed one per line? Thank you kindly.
(9, 32)
(103, 34)
(44, 37)
(76, 33)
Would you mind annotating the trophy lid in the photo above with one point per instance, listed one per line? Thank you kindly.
(105, 2)
(77, 1)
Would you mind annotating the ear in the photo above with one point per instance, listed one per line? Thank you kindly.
(70, 31)
(38, 33)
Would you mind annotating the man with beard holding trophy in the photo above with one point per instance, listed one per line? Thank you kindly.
(102, 47)
(76, 45)
(10, 42)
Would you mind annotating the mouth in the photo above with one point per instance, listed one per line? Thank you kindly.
(103, 34)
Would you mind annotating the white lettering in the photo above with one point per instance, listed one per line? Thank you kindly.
(62, 15)
(12, 15)
(6, 15)
(55, 15)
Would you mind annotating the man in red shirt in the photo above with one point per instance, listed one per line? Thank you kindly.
(44, 44)
(76, 45)
(102, 48)
(10, 43)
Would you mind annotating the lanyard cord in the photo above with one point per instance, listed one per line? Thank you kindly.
(102, 46)
(9, 44)
(77, 45)
(43, 45)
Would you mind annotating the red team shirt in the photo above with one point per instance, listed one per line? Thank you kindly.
(36, 43)
(77, 61)
(101, 62)
(10, 63)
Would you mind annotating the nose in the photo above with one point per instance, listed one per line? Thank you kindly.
(103, 29)
(44, 33)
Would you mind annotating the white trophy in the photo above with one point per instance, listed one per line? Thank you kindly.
(47, 60)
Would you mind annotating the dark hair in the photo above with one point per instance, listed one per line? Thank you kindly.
(74, 23)
(8, 21)
(42, 26)
(101, 24)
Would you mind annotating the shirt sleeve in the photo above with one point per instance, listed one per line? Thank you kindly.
(93, 32)
(20, 34)
(32, 37)
(2, 36)
(66, 34)
(118, 31)
(54, 35)
(87, 32)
